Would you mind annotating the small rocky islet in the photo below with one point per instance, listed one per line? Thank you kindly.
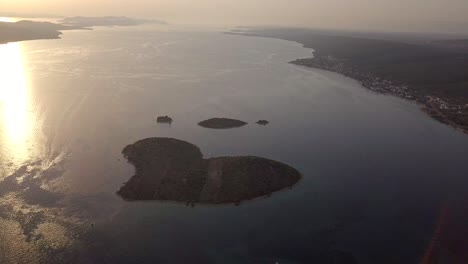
(164, 119)
(215, 123)
(263, 122)
(169, 169)
(221, 123)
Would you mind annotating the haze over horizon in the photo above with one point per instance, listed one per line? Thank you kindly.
(377, 15)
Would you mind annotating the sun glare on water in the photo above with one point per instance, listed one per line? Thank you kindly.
(5, 19)
(16, 122)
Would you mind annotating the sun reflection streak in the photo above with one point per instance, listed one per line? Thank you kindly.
(6, 19)
(16, 121)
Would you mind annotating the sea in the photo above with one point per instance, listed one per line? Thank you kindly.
(376, 171)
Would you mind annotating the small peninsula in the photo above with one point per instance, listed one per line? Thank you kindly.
(222, 123)
(169, 169)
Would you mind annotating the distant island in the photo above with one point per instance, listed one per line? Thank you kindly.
(33, 30)
(108, 21)
(169, 169)
(221, 123)
(432, 73)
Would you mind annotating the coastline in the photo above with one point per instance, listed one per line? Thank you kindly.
(431, 77)
(438, 108)
(3, 42)
(25, 30)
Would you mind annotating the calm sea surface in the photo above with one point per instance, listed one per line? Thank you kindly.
(376, 170)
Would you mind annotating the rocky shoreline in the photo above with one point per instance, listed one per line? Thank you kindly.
(445, 110)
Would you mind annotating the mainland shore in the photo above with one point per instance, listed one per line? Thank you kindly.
(434, 77)
(34, 30)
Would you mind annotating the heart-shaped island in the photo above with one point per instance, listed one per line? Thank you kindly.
(169, 169)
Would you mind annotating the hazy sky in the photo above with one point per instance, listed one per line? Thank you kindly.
(399, 15)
